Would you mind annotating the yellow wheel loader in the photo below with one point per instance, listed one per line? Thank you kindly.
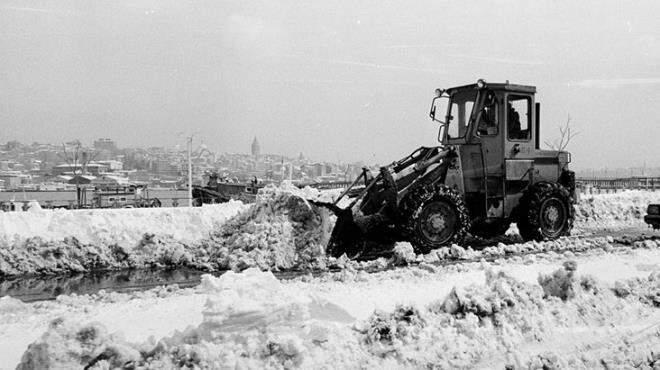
(487, 172)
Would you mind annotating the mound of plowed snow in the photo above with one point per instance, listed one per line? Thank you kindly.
(114, 226)
(52, 241)
(616, 209)
(252, 320)
(279, 231)
(249, 321)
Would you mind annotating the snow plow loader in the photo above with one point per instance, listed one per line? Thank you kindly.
(487, 172)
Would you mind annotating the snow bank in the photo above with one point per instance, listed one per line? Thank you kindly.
(55, 241)
(114, 226)
(251, 320)
(281, 230)
(616, 209)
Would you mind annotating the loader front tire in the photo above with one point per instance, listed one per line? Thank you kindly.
(436, 217)
(546, 212)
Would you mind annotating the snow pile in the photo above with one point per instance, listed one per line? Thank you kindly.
(646, 290)
(114, 226)
(561, 283)
(69, 344)
(250, 321)
(628, 207)
(403, 254)
(467, 327)
(106, 239)
(11, 306)
(527, 250)
(509, 324)
(281, 230)
(501, 250)
(54, 241)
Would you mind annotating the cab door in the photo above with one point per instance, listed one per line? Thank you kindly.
(483, 155)
(519, 146)
(490, 132)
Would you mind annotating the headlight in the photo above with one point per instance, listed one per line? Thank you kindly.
(481, 83)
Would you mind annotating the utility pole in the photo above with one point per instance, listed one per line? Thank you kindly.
(190, 200)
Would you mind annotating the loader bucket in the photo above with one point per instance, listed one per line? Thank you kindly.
(346, 236)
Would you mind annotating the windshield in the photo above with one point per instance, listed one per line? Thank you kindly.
(460, 110)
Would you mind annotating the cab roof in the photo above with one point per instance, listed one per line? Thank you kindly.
(496, 86)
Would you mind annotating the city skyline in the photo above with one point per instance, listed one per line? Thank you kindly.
(333, 80)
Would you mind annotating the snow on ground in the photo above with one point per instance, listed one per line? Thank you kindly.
(612, 210)
(280, 231)
(124, 226)
(388, 319)
(466, 315)
(60, 241)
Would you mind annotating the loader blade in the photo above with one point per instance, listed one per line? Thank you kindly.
(346, 237)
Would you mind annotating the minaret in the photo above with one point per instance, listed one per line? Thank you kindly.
(256, 149)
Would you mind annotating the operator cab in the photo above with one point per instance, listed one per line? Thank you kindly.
(477, 110)
(493, 129)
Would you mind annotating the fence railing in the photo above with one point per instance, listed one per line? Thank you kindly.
(607, 185)
(328, 185)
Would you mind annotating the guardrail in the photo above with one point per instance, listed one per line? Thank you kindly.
(607, 185)
(327, 185)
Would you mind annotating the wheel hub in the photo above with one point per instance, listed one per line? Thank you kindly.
(553, 217)
(552, 214)
(438, 220)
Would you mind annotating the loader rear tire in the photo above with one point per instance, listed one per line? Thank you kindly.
(436, 217)
(546, 212)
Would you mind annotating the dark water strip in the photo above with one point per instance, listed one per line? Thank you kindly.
(44, 287)
(48, 287)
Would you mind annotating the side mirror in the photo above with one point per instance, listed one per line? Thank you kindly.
(439, 107)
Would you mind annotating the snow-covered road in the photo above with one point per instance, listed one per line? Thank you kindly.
(337, 320)
(160, 312)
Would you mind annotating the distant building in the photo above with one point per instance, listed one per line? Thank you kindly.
(105, 144)
(91, 168)
(318, 169)
(13, 179)
(165, 166)
(110, 180)
(256, 148)
(112, 165)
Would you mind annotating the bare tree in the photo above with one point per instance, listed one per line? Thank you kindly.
(564, 138)
(77, 157)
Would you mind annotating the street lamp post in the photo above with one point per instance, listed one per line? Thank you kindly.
(190, 200)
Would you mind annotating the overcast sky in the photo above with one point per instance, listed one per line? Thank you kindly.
(336, 80)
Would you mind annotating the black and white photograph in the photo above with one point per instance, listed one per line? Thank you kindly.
(287, 184)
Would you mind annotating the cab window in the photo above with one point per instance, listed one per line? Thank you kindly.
(460, 112)
(488, 119)
(519, 119)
